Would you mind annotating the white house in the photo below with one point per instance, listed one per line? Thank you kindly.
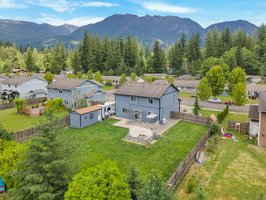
(27, 87)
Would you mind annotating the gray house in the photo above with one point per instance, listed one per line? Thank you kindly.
(83, 117)
(147, 101)
(27, 87)
(74, 91)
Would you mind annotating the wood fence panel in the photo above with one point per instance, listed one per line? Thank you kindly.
(23, 135)
(191, 118)
(244, 126)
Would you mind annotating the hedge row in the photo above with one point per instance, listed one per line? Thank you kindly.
(223, 114)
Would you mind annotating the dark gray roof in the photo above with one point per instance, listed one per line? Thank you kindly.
(153, 90)
(186, 83)
(16, 80)
(253, 87)
(262, 101)
(253, 112)
(69, 83)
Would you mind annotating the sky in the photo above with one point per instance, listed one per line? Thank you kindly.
(82, 12)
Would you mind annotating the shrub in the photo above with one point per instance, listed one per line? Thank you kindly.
(200, 193)
(108, 83)
(213, 141)
(20, 104)
(223, 114)
(5, 134)
(192, 184)
(215, 128)
(55, 104)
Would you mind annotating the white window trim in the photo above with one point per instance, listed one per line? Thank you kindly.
(131, 99)
(149, 101)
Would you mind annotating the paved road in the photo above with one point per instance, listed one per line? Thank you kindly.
(191, 101)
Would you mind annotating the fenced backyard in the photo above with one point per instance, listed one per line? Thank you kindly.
(23, 135)
(186, 163)
(192, 118)
(30, 102)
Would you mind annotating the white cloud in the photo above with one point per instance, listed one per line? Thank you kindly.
(78, 21)
(65, 5)
(163, 7)
(11, 4)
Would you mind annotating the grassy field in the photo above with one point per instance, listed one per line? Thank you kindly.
(14, 121)
(102, 141)
(231, 116)
(106, 88)
(235, 170)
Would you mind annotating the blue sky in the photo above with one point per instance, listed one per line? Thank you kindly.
(82, 12)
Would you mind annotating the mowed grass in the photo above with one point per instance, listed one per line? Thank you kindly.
(14, 121)
(235, 170)
(102, 141)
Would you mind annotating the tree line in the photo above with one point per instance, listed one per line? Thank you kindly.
(127, 55)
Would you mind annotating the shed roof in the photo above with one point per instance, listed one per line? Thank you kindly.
(262, 101)
(16, 80)
(153, 90)
(253, 112)
(89, 109)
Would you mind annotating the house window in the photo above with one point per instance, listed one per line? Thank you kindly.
(86, 117)
(133, 98)
(9, 85)
(66, 102)
(60, 91)
(16, 86)
(148, 113)
(124, 110)
(150, 100)
(91, 115)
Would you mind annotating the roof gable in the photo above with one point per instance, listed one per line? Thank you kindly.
(17, 80)
(153, 90)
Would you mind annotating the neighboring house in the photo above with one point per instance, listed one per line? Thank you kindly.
(83, 117)
(254, 79)
(24, 87)
(112, 79)
(253, 90)
(147, 101)
(189, 86)
(74, 91)
(262, 119)
(257, 116)
(253, 116)
(2, 78)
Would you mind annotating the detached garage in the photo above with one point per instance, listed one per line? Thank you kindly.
(83, 117)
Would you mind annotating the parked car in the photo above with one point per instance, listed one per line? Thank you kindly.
(215, 100)
(229, 102)
(2, 185)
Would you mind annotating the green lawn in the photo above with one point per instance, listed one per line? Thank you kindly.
(14, 121)
(102, 141)
(186, 95)
(239, 117)
(106, 88)
(235, 170)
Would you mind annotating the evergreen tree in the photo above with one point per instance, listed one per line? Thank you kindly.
(261, 48)
(42, 173)
(158, 58)
(208, 45)
(29, 61)
(90, 75)
(196, 107)
(175, 58)
(58, 58)
(134, 183)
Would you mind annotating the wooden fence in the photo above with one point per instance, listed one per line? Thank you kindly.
(185, 164)
(23, 135)
(30, 102)
(191, 118)
(242, 127)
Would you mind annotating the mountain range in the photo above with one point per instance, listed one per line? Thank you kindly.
(147, 29)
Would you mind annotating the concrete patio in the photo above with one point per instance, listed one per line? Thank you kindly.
(143, 133)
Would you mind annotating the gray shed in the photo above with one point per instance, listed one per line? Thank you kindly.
(83, 117)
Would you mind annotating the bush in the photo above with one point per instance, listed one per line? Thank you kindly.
(20, 104)
(192, 184)
(223, 114)
(108, 83)
(55, 104)
(5, 134)
(213, 141)
(215, 128)
(200, 193)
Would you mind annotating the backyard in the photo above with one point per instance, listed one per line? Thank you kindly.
(235, 170)
(102, 141)
(14, 121)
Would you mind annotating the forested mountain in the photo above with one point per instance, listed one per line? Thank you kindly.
(23, 32)
(248, 27)
(148, 29)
